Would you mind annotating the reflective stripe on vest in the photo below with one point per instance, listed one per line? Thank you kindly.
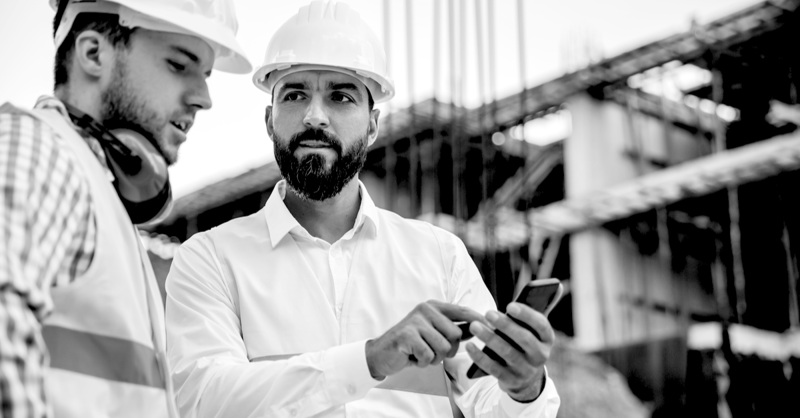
(101, 356)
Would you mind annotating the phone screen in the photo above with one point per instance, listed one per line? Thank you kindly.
(539, 297)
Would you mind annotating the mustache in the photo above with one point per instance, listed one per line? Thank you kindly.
(316, 135)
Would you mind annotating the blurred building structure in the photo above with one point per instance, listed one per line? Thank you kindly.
(661, 185)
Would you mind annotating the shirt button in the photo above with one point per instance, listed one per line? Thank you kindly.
(293, 412)
(351, 389)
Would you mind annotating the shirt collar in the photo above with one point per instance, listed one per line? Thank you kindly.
(280, 221)
(368, 210)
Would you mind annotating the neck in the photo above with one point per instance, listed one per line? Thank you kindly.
(330, 219)
(85, 99)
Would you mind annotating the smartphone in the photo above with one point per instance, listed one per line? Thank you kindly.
(541, 295)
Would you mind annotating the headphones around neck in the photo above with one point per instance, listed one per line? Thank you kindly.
(141, 178)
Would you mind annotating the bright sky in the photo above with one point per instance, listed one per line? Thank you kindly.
(231, 137)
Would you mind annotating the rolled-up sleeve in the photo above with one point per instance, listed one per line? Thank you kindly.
(212, 373)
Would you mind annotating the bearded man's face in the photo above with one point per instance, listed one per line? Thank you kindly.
(312, 175)
(321, 125)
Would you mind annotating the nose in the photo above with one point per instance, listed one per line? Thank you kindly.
(198, 96)
(315, 116)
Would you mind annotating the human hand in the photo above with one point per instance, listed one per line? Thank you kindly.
(523, 348)
(781, 113)
(427, 335)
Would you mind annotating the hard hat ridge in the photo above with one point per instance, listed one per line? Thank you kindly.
(327, 34)
(317, 11)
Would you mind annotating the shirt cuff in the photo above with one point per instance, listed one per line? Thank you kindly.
(538, 408)
(346, 372)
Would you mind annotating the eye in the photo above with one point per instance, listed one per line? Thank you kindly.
(292, 96)
(175, 66)
(341, 98)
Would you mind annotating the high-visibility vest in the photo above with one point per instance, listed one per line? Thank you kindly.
(106, 336)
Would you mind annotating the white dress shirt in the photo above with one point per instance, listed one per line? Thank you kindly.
(265, 320)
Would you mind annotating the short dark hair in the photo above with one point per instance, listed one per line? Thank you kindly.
(103, 23)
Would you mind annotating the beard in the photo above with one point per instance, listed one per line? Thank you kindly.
(309, 176)
(123, 108)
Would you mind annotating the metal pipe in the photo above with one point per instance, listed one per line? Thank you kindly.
(487, 232)
(492, 62)
(462, 139)
(490, 245)
(523, 107)
(717, 93)
(791, 268)
(736, 252)
(390, 158)
(628, 293)
(413, 151)
(665, 253)
(720, 283)
(522, 57)
(481, 98)
(454, 155)
(637, 146)
(436, 137)
(602, 296)
(667, 125)
(720, 145)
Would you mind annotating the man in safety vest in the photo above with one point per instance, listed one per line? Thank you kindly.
(323, 305)
(81, 319)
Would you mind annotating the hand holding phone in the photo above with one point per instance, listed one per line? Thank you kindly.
(541, 295)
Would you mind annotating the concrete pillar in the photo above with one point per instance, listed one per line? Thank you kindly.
(614, 287)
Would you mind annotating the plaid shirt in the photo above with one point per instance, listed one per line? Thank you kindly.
(47, 238)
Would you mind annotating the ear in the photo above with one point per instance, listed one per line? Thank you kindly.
(374, 126)
(94, 56)
(268, 120)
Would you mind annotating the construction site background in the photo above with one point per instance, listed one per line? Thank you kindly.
(660, 185)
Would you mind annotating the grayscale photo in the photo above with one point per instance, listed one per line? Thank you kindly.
(399, 208)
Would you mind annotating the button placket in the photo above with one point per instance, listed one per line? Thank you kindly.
(339, 274)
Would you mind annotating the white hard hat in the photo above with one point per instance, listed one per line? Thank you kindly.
(331, 36)
(214, 21)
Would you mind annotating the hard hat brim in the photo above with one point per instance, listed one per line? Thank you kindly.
(235, 61)
(230, 56)
(265, 77)
(329, 34)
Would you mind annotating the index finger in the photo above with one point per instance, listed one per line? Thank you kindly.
(531, 318)
(457, 313)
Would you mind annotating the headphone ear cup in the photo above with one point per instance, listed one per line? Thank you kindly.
(149, 179)
(140, 170)
(150, 211)
(123, 162)
(152, 163)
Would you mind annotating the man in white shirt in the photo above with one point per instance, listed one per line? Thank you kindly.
(323, 305)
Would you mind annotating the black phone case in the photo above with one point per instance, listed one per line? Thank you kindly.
(475, 372)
